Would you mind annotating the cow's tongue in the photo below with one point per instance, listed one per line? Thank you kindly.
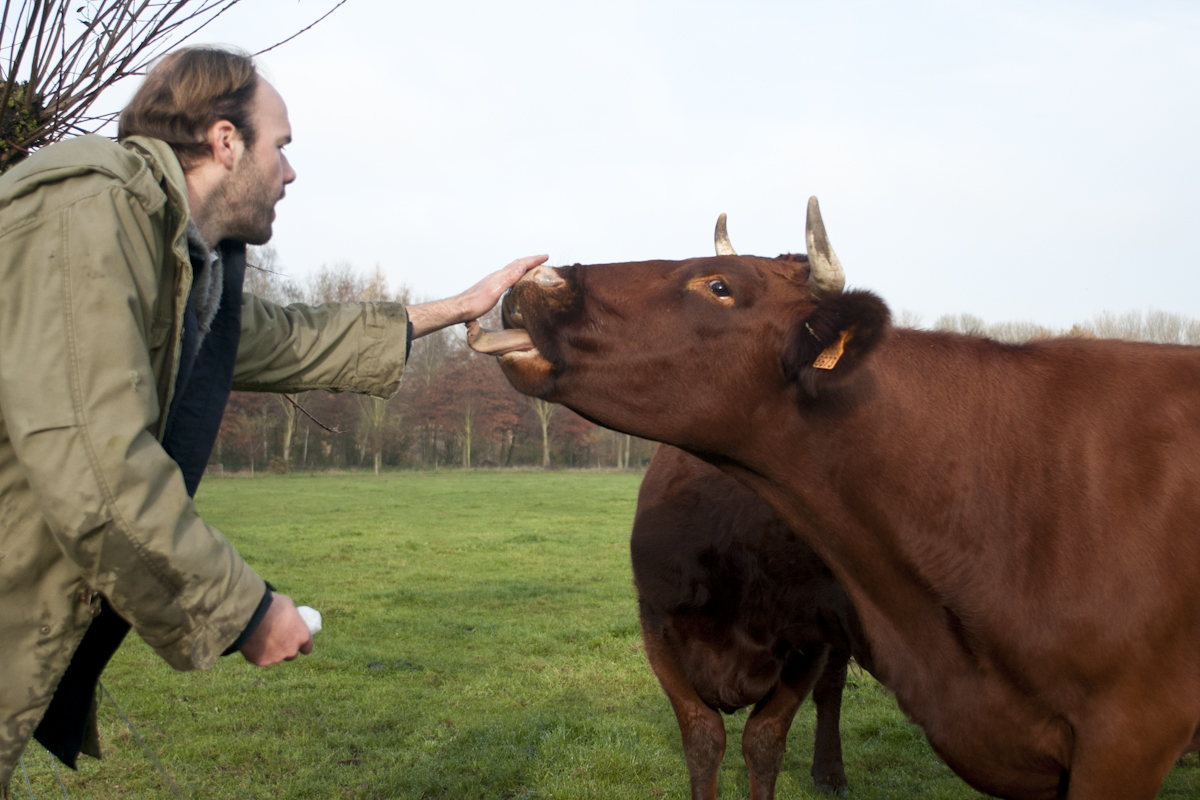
(497, 343)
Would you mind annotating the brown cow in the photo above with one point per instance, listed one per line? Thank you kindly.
(1018, 526)
(737, 611)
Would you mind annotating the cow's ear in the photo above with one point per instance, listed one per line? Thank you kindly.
(830, 342)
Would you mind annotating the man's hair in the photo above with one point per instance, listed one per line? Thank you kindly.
(186, 92)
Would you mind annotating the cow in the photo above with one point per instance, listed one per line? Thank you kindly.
(1018, 526)
(736, 611)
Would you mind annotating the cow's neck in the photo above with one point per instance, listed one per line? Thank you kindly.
(881, 496)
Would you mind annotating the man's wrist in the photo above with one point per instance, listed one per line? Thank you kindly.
(433, 316)
(255, 619)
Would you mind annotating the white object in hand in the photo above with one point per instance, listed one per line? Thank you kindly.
(312, 618)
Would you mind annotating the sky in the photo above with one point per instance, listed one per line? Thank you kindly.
(1013, 160)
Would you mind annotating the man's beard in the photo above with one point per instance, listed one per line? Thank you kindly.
(246, 203)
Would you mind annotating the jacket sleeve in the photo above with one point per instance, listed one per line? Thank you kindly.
(350, 347)
(80, 402)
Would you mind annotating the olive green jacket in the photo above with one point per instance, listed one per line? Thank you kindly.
(94, 278)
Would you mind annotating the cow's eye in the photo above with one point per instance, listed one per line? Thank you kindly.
(718, 287)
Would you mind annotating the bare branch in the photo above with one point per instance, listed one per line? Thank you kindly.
(302, 30)
(300, 408)
(42, 9)
(3, 22)
(15, 64)
(70, 57)
(58, 33)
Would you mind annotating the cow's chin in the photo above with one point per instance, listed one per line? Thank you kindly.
(529, 372)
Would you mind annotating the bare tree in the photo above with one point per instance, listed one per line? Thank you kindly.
(622, 444)
(1017, 332)
(544, 411)
(372, 423)
(1011, 332)
(961, 323)
(289, 428)
(428, 355)
(469, 413)
(1107, 325)
(1163, 327)
(57, 57)
(1168, 328)
(342, 283)
(265, 277)
(1191, 333)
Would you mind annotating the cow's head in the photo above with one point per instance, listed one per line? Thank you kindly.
(685, 351)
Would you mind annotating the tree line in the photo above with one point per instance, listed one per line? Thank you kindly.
(454, 407)
(1161, 327)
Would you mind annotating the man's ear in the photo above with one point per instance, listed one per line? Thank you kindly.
(225, 143)
(834, 339)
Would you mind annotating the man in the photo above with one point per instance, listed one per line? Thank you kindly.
(123, 329)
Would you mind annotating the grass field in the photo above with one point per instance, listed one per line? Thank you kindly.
(480, 641)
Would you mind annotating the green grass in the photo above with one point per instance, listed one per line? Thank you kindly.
(480, 641)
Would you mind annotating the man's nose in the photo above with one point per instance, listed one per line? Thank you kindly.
(289, 174)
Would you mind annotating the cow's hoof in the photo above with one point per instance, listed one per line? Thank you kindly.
(832, 784)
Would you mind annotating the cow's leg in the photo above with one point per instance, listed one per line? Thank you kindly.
(828, 772)
(765, 736)
(1120, 756)
(702, 729)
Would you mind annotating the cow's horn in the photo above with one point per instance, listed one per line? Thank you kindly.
(721, 238)
(826, 275)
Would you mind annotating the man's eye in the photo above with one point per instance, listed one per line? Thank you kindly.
(718, 287)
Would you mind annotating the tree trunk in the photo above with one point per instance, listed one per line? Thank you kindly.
(468, 429)
(544, 410)
(289, 428)
(379, 419)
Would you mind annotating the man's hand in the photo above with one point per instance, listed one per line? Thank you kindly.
(280, 636)
(471, 304)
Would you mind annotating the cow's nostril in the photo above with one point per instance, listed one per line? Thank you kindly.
(510, 312)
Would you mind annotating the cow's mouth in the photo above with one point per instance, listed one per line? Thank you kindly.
(511, 340)
(499, 343)
(524, 363)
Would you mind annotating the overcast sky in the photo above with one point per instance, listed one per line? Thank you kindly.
(1016, 160)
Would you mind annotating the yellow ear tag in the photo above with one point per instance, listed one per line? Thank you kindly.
(831, 355)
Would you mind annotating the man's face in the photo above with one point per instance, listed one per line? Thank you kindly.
(260, 175)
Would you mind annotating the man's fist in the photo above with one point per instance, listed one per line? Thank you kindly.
(280, 636)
